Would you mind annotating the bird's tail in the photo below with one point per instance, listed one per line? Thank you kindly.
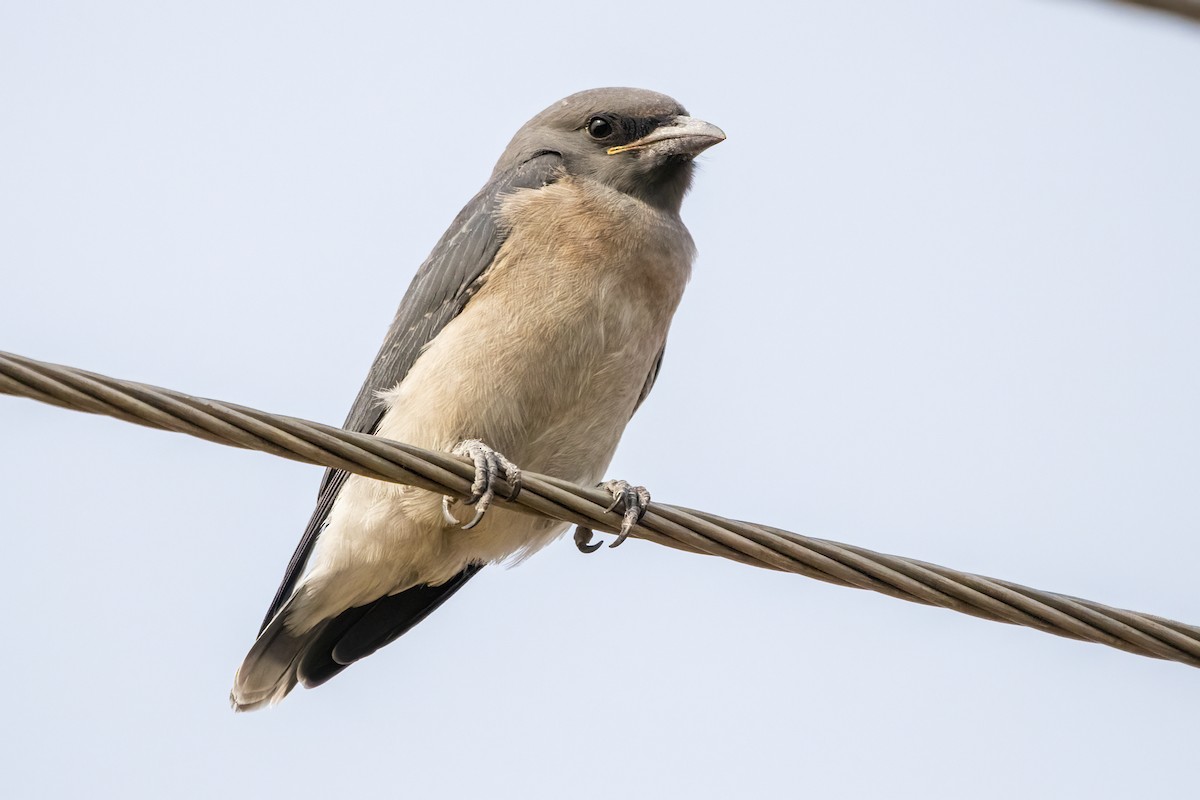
(281, 658)
(271, 668)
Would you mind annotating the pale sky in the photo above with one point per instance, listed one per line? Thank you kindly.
(945, 307)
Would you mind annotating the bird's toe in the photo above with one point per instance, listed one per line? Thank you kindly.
(490, 468)
(633, 502)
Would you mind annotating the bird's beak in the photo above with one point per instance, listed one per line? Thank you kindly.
(680, 136)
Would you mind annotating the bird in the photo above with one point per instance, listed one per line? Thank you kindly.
(526, 340)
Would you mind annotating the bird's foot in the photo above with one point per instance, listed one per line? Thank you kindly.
(489, 466)
(634, 502)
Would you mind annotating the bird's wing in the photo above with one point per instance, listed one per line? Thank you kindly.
(445, 283)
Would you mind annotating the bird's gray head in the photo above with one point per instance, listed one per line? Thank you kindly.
(638, 142)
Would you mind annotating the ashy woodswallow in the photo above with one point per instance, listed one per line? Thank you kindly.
(528, 337)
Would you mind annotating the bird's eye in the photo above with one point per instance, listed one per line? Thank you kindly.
(599, 128)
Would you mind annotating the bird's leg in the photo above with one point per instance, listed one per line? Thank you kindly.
(634, 502)
(489, 465)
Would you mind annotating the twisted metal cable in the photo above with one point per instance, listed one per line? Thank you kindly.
(1188, 9)
(681, 528)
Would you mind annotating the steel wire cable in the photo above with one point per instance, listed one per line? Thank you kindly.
(681, 528)
(1188, 9)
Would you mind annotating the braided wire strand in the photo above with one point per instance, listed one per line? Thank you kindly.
(1188, 9)
(680, 528)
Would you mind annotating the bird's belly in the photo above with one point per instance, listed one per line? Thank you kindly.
(551, 388)
(548, 378)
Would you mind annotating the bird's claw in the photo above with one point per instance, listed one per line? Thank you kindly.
(489, 466)
(634, 500)
(583, 540)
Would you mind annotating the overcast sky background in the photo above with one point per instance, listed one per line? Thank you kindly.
(945, 306)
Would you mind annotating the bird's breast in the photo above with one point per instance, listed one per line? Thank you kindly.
(546, 363)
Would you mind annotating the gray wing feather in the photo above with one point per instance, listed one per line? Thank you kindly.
(445, 283)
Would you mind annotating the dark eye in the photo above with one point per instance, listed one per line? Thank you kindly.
(599, 128)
